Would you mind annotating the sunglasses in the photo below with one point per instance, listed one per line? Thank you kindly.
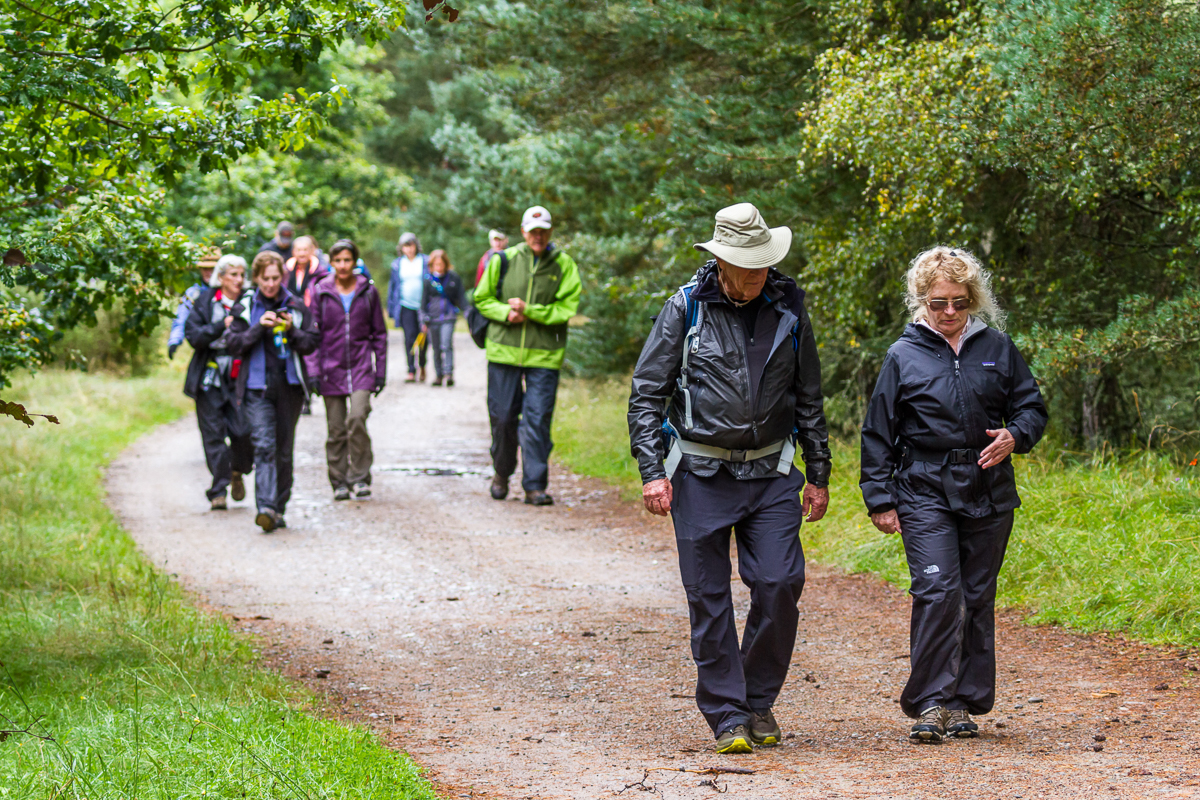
(960, 304)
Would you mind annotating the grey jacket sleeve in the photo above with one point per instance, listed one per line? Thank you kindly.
(654, 379)
(812, 434)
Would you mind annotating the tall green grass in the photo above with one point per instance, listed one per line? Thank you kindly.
(112, 685)
(1109, 544)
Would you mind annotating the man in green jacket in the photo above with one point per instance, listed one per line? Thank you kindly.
(526, 341)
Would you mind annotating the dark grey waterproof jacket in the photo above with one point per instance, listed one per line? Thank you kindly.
(724, 414)
(929, 401)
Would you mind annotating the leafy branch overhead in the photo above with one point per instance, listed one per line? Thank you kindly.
(105, 106)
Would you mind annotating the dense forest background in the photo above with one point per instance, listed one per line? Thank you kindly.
(1056, 139)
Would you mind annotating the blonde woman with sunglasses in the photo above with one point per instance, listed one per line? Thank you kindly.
(953, 402)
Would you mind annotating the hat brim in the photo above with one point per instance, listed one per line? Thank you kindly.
(761, 256)
(535, 224)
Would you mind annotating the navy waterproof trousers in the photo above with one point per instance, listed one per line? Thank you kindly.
(272, 414)
(225, 437)
(521, 408)
(764, 515)
(954, 561)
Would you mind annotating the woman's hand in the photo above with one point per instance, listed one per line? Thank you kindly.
(286, 319)
(886, 521)
(656, 497)
(228, 322)
(268, 319)
(999, 449)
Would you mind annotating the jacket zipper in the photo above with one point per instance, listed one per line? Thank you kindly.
(528, 297)
(349, 368)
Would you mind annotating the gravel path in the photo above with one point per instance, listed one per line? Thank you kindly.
(543, 653)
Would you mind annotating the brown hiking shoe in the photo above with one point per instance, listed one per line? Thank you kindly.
(538, 499)
(931, 727)
(764, 730)
(499, 487)
(959, 724)
(237, 487)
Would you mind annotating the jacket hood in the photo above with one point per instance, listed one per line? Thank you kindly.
(328, 284)
(778, 288)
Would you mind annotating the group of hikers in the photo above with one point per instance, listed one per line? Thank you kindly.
(726, 391)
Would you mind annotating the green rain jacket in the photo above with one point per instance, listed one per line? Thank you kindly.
(550, 288)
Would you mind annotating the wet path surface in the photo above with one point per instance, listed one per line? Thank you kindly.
(543, 653)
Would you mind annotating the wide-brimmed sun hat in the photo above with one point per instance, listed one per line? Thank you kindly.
(743, 239)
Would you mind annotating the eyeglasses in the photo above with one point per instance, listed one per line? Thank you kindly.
(960, 304)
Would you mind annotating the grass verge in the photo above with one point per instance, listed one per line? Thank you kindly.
(112, 685)
(1112, 544)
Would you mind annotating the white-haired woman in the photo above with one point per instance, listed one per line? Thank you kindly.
(953, 402)
(210, 381)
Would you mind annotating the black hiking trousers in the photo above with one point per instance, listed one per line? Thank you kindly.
(765, 516)
(226, 439)
(273, 413)
(954, 561)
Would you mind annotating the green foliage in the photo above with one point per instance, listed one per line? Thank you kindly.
(112, 684)
(1100, 544)
(105, 104)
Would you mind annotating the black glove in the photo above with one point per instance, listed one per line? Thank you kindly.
(171, 351)
(379, 384)
(314, 385)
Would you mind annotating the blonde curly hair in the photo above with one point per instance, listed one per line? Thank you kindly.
(956, 265)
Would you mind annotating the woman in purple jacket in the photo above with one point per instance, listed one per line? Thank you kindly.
(351, 363)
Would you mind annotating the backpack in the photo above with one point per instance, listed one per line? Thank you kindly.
(477, 323)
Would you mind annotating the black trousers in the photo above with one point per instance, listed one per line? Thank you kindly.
(272, 414)
(765, 516)
(410, 321)
(521, 408)
(220, 420)
(954, 561)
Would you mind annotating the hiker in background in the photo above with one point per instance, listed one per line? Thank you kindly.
(404, 301)
(270, 335)
(731, 372)
(282, 243)
(211, 377)
(304, 269)
(205, 267)
(497, 241)
(953, 402)
(441, 302)
(350, 364)
(526, 340)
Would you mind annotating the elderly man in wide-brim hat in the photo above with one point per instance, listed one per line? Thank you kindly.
(727, 387)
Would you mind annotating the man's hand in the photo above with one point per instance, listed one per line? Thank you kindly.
(1000, 449)
(267, 320)
(656, 497)
(516, 304)
(886, 521)
(515, 318)
(815, 502)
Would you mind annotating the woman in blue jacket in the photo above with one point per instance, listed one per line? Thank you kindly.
(404, 299)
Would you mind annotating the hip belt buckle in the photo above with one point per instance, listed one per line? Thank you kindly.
(961, 456)
(738, 456)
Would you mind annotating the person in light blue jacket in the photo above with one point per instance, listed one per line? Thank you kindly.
(205, 266)
(404, 299)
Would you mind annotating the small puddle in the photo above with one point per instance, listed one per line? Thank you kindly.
(434, 471)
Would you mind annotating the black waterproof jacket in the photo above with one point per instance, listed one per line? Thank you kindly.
(928, 401)
(724, 414)
(203, 328)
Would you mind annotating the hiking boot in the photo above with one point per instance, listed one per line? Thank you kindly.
(764, 730)
(959, 724)
(437, 381)
(218, 503)
(421, 375)
(499, 487)
(267, 519)
(538, 499)
(280, 522)
(735, 740)
(237, 487)
(341, 493)
(931, 727)
(362, 489)
(449, 380)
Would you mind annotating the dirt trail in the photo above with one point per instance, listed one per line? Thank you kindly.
(543, 653)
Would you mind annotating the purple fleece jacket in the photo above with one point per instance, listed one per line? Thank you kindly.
(353, 348)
